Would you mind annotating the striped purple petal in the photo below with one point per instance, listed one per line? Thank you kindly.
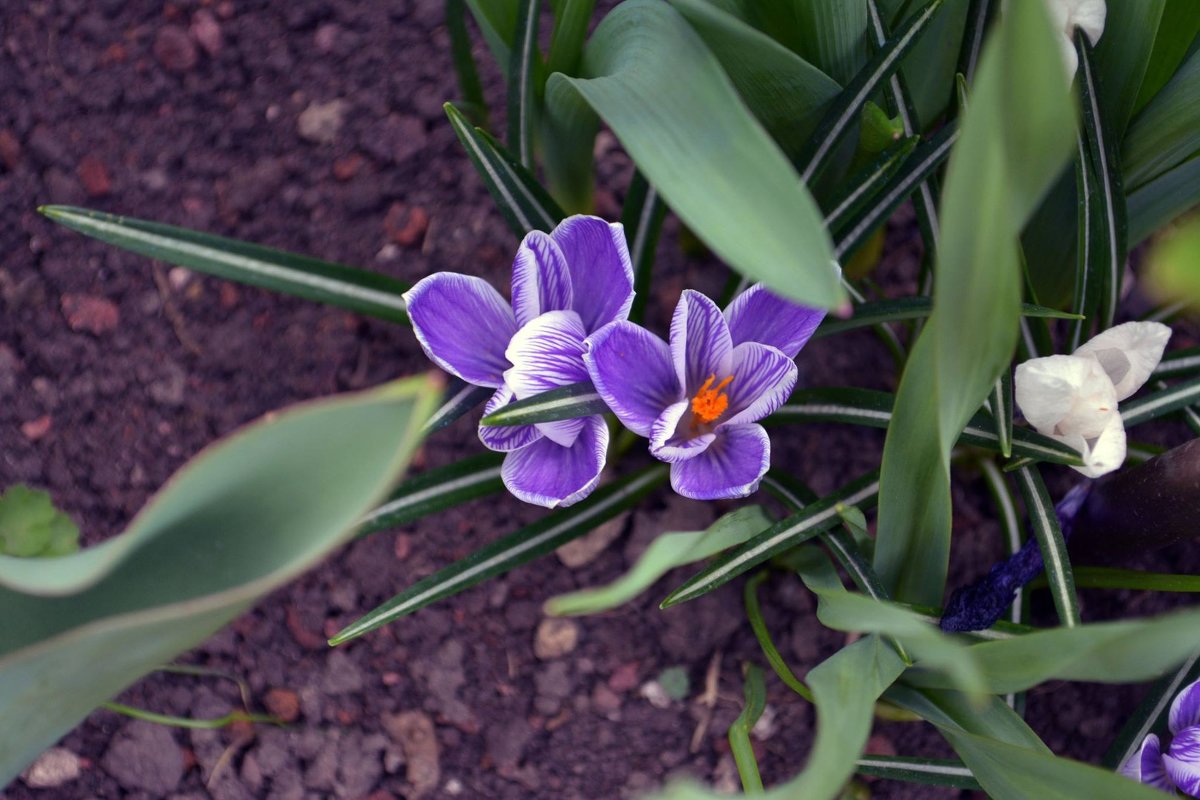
(631, 369)
(759, 315)
(1182, 760)
(700, 342)
(463, 325)
(550, 475)
(601, 272)
(671, 437)
(546, 354)
(540, 279)
(505, 438)
(763, 379)
(1146, 765)
(730, 467)
(1185, 709)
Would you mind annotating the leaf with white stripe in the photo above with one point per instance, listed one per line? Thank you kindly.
(1160, 403)
(1151, 714)
(310, 278)
(458, 399)
(525, 205)
(465, 68)
(1049, 535)
(796, 529)
(642, 216)
(1000, 404)
(863, 186)
(434, 491)
(566, 402)
(1178, 363)
(876, 312)
(1006, 507)
(1087, 281)
(534, 540)
(522, 66)
(926, 771)
(844, 112)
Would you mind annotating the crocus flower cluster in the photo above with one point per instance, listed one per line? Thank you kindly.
(698, 397)
(565, 285)
(1074, 398)
(1179, 766)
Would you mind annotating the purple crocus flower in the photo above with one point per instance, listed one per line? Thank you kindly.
(1179, 766)
(698, 398)
(565, 285)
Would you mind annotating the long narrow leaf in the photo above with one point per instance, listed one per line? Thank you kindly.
(570, 31)
(1087, 289)
(876, 312)
(1049, 535)
(925, 771)
(522, 67)
(1161, 403)
(464, 61)
(862, 187)
(457, 400)
(763, 634)
(1001, 406)
(1007, 511)
(739, 731)
(566, 402)
(642, 216)
(1178, 363)
(1151, 712)
(301, 276)
(532, 541)
(436, 490)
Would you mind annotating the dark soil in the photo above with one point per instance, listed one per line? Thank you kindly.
(114, 370)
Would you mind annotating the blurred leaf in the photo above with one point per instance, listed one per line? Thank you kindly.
(245, 516)
(739, 731)
(570, 31)
(666, 552)
(1172, 269)
(1115, 578)
(334, 284)
(534, 540)
(642, 215)
(1122, 56)
(1016, 135)
(458, 398)
(763, 635)
(522, 67)
(1044, 521)
(436, 490)
(1178, 363)
(877, 311)
(565, 402)
(1160, 201)
(926, 771)
(714, 164)
(497, 20)
(522, 201)
(929, 70)
(31, 525)
(1151, 713)
(1153, 406)
(1167, 131)
(464, 61)
(786, 93)
(1178, 28)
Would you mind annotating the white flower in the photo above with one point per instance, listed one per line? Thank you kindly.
(1067, 15)
(1074, 398)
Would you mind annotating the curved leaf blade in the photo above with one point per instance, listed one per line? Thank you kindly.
(434, 491)
(566, 402)
(1044, 522)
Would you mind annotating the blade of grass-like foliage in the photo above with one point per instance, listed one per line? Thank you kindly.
(1087, 269)
(532, 541)
(874, 409)
(1120, 60)
(522, 201)
(1000, 404)
(763, 634)
(190, 723)
(464, 62)
(1167, 132)
(1150, 715)
(863, 186)
(1114, 578)
(242, 518)
(794, 530)
(434, 491)
(1110, 230)
(497, 20)
(950, 710)
(458, 399)
(1177, 30)
(566, 402)
(712, 161)
(844, 111)
(972, 43)
(1049, 535)
(1006, 507)
(570, 31)
(739, 732)
(522, 67)
(312, 279)
(666, 552)
(1160, 403)
(642, 216)
(925, 771)
(1159, 201)
(1178, 363)
(786, 93)
(880, 311)
(919, 166)
(993, 185)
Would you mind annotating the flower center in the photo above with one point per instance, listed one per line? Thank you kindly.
(710, 402)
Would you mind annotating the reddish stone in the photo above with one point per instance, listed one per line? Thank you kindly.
(283, 704)
(174, 49)
(94, 177)
(115, 53)
(402, 546)
(37, 428)
(304, 637)
(347, 167)
(10, 149)
(624, 677)
(206, 31)
(405, 225)
(229, 295)
(94, 315)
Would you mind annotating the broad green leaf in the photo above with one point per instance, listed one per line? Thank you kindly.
(910, 769)
(1153, 406)
(31, 525)
(1044, 522)
(434, 491)
(469, 85)
(1150, 715)
(739, 731)
(1016, 135)
(522, 66)
(786, 93)
(243, 517)
(1160, 201)
(522, 201)
(1172, 269)
(334, 284)
(954, 711)
(570, 31)
(833, 33)
(642, 216)
(534, 540)
(929, 70)
(712, 161)
(1167, 131)
(1177, 30)
(566, 402)
(666, 552)
(458, 399)
(1122, 56)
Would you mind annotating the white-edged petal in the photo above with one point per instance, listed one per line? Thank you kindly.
(1128, 353)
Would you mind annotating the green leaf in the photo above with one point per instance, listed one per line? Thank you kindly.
(794, 530)
(334, 284)
(642, 216)
(1176, 32)
(522, 66)
(845, 111)
(1167, 132)
(925, 771)
(711, 160)
(667, 551)
(1016, 135)
(763, 634)
(1006, 507)
(1158, 202)
(458, 399)
(739, 731)
(464, 61)
(1153, 406)
(862, 188)
(834, 33)
(1089, 272)
(522, 201)
(1000, 405)
(534, 540)
(497, 20)
(1178, 363)
(1114, 578)
(245, 516)
(31, 525)
(1044, 522)
(570, 31)
(1123, 55)
(1151, 712)
(434, 491)
(786, 93)
(566, 402)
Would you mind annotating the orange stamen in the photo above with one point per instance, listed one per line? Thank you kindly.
(710, 402)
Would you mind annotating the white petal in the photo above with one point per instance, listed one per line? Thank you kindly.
(1104, 453)
(1128, 353)
(1065, 395)
(1090, 15)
